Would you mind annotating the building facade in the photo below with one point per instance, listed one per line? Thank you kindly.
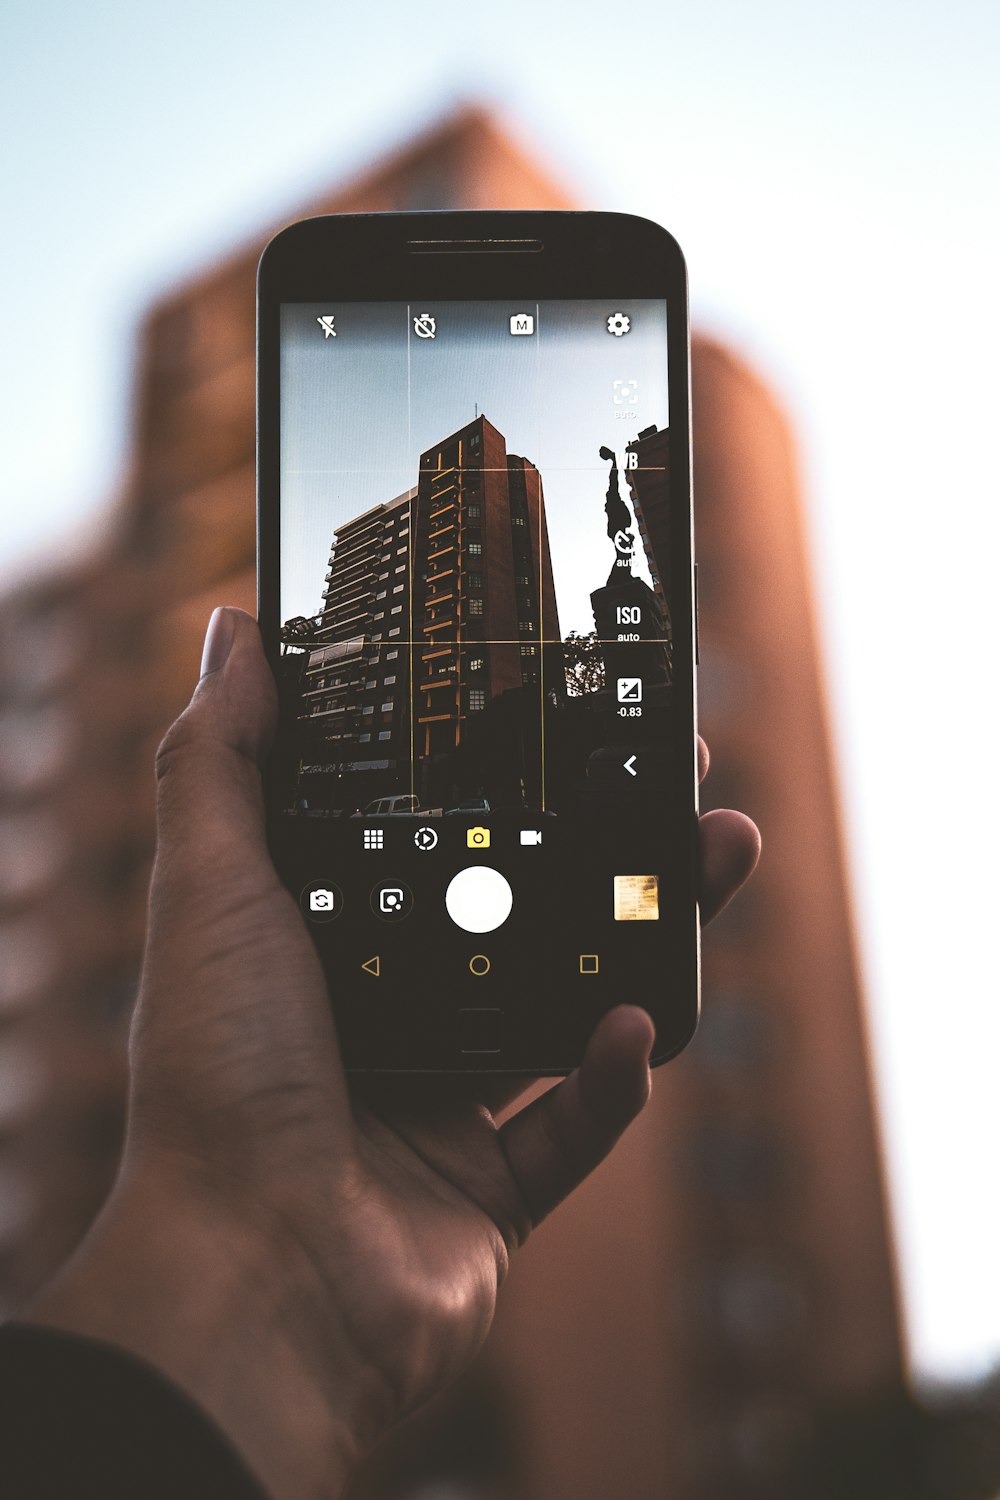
(437, 603)
(680, 1325)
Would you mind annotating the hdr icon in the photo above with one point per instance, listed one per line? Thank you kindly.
(522, 323)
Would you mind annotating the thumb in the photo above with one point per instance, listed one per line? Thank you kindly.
(210, 810)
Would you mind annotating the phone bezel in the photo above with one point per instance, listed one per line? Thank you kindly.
(588, 255)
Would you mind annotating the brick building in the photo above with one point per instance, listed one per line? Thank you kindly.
(680, 1325)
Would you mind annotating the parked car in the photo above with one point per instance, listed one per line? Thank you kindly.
(470, 805)
(402, 802)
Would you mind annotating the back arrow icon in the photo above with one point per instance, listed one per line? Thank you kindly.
(630, 766)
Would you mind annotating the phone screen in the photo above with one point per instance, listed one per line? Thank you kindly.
(479, 768)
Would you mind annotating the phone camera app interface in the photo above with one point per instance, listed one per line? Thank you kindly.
(476, 668)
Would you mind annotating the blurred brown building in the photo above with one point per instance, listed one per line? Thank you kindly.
(679, 1327)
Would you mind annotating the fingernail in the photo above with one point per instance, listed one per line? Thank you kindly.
(218, 640)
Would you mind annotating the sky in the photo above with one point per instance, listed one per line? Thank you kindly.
(552, 395)
(831, 174)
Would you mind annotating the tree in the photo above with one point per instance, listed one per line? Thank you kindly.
(584, 664)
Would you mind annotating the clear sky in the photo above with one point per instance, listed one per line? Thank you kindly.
(831, 174)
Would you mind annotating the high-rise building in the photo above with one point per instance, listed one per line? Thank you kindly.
(679, 1325)
(485, 616)
(437, 604)
(354, 682)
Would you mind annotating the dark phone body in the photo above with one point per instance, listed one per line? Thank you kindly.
(412, 991)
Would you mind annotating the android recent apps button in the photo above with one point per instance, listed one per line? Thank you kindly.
(479, 899)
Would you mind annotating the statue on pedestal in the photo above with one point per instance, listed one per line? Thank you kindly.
(619, 524)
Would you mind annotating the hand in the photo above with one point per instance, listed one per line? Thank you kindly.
(307, 1262)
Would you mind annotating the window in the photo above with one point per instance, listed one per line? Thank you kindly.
(399, 588)
(519, 520)
(475, 580)
(477, 700)
(475, 606)
(529, 650)
(395, 631)
(523, 578)
(391, 656)
(402, 566)
(399, 553)
(388, 682)
(404, 531)
(476, 664)
(526, 627)
(381, 594)
(387, 707)
(397, 609)
(385, 734)
(364, 738)
(528, 675)
(474, 512)
(475, 549)
(383, 576)
(369, 708)
(380, 615)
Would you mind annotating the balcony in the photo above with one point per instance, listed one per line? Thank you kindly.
(326, 692)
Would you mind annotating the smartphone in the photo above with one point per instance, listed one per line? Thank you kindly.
(476, 592)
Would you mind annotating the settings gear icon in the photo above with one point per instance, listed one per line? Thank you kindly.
(619, 323)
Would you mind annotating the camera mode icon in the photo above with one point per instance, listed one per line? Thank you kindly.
(478, 838)
(392, 900)
(321, 901)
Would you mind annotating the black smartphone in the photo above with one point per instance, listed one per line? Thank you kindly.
(476, 591)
